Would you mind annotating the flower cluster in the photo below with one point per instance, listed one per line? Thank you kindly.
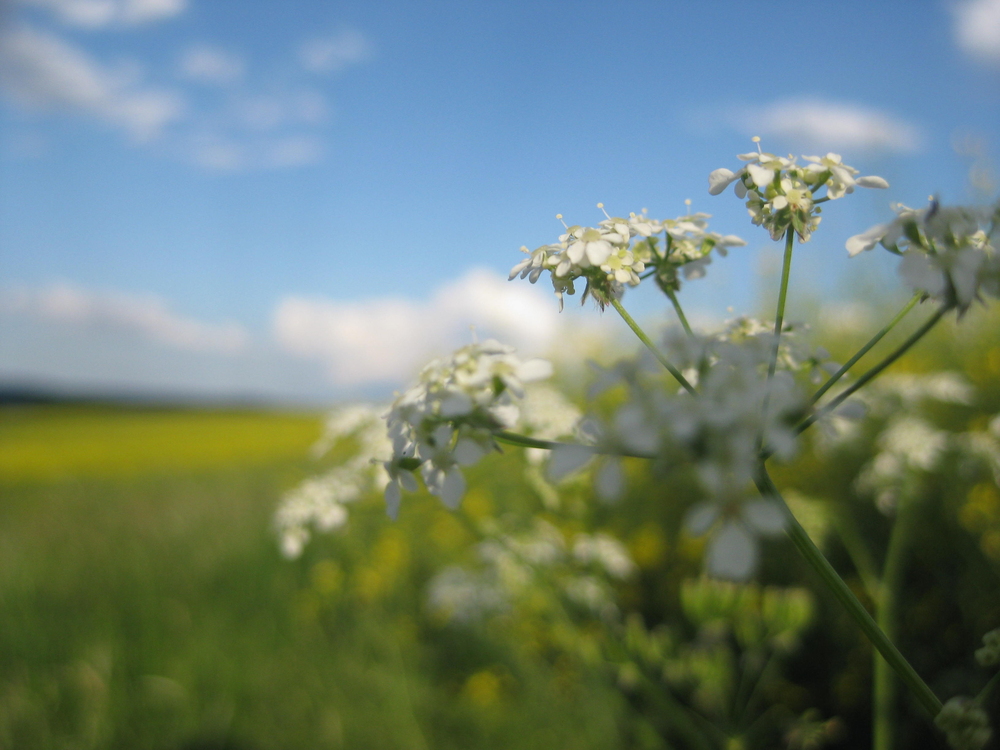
(687, 249)
(449, 418)
(781, 194)
(320, 502)
(947, 253)
(716, 432)
(965, 724)
(510, 564)
(618, 250)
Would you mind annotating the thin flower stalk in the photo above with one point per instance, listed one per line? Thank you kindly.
(779, 319)
(672, 296)
(866, 348)
(875, 371)
(887, 618)
(523, 441)
(661, 358)
(808, 549)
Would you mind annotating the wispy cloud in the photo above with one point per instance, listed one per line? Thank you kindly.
(334, 53)
(827, 124)
(386, 340)
(95, 14)
(210, 65)
(977, 29)
(45, 73)
(147, 317)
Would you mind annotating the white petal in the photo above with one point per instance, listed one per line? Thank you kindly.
(740, 190)
(700, 518)
(719, 180)
(920, 273)
(566, 459)
(762, 177)
(534, 369)
(392, 499)
(518, 268)
(408, 481)
(598, 252)
(609, 480)
(852, 409)
(872, 181)
(866, 240)
(505, 414)
(731, 240)
(764, 516)
(452, 489)
(732, 553)
(467, 452)
(455, 404)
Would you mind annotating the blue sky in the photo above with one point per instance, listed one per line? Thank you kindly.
(301, 200)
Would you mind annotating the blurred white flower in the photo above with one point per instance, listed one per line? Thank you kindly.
(946, 252)
(449, 417)
(734, 529)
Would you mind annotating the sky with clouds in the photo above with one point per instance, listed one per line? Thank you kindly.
(304, 200)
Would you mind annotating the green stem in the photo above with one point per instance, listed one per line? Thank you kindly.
(887, 618)
(779, 318)
(875, 371)
(850, 602)
(523, 441)
(866, 348)
(988, 688)
(680, 312)
(679, 718)
(779, 315)
(652, 347)
(854, 545)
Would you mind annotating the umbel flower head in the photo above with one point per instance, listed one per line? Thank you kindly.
(616, 253)
(448, 419)
(714, 434)
(947, 252)
(781, 194)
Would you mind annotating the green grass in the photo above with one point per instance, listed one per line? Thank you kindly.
(144, 603)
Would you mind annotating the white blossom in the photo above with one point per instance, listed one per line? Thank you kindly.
(619, 251)
(780, 194)
(946, 252)
(320, 503)
(449, 417)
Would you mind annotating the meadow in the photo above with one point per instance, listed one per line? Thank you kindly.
(144, 601)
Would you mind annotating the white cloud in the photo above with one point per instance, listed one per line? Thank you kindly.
(268, 112)
(94, 14)
(977, 29)
(210, 65)
(43, 72)
(148, 318)
(224, 154)
(834, 125)
(334, 53)
(387, 340)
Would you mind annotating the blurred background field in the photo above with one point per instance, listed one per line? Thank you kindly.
(145, 602)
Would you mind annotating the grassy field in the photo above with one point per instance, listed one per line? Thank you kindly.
(144, 603)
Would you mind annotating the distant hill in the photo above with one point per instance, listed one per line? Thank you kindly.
(13, 394)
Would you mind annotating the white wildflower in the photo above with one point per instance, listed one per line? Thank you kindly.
(448, 419)
(946, 253)
(780, 193)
